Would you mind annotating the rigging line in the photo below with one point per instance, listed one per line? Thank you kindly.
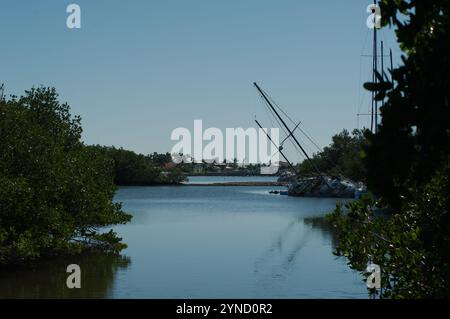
(364, 96)
(308, 136)
(329, 160)
(283, 111)
(304, 156)
(360, 73)
(279, 107)
(333, 164)
(286, 133)
(295, 128)
(273, 115)
(283, 129)
(269, 116)
(371, 55)
(269, 113)
(295, 146)
(360, 98)
(359, 91)
(311, 139)
(293, 122)
(304, 133)
(279, 150)
(268, 100)
(320, 149)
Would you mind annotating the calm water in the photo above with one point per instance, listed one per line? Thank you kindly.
(206, 242)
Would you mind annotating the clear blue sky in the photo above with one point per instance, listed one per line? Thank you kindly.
(138, 69)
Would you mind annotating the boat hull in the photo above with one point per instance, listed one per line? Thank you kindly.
(323, 186)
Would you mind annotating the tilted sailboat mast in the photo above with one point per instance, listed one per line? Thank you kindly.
(279, 148)
(267, 100)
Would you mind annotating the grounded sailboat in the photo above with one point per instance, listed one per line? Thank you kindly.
(319, 185)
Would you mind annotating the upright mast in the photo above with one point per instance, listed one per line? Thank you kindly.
(392, 67)
(382, 59)
(382, 72)
(374, 122)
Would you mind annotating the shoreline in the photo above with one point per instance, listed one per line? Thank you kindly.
(244, 184)
(225, 184)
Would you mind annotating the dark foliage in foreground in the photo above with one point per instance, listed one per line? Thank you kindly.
(55, 193)
(408, 163)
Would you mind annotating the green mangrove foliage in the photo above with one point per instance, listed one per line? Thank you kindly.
(408, 162)
(131, 169)
(343, 157)
(56, 194)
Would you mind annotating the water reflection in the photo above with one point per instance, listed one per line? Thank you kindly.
(206, 242)
(327, 229)
(231, 242)
(47, 279)
(289, 251)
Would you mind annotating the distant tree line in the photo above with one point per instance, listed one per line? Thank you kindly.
(224, 168)
(56, 193)
(132, 169)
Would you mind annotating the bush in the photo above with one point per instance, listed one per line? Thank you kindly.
(344, 157)
(55, 193)
(412, 246)
(131, 169)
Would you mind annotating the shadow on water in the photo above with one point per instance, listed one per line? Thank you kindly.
(47, 279)
(321, 224)
(280, 258)
(285, 247)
